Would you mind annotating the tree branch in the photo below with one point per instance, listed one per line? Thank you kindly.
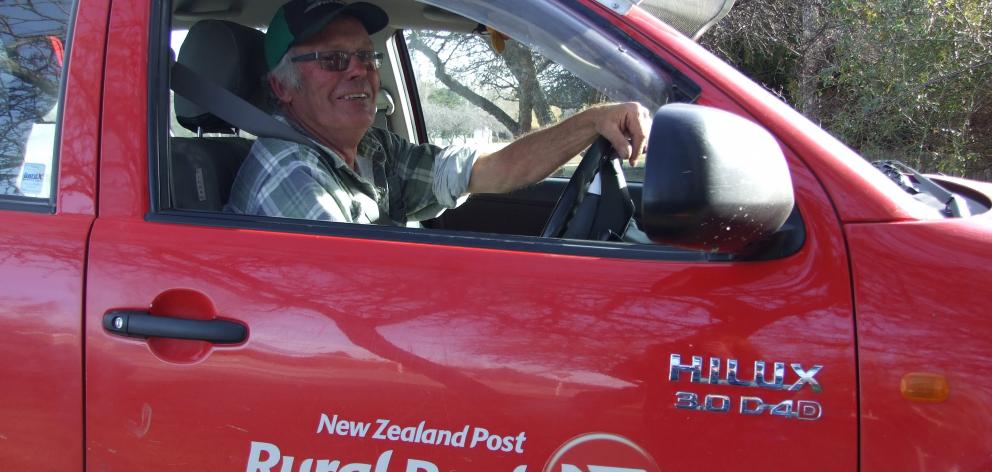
(478, 100)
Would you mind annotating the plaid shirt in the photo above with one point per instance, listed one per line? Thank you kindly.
(396, 181)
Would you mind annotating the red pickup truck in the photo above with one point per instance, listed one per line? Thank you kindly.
(789, 305)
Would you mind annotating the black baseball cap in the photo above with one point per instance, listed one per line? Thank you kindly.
(299, 20)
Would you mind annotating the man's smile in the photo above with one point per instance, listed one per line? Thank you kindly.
(355, 96)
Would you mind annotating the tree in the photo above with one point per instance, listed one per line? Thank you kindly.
(903, 79)
(915, 78)
(454, 45)
(449, 116)
(470, 66)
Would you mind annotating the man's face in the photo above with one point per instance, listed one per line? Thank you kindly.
(335, 100)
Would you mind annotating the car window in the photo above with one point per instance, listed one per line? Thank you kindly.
(32, 58)
(577, 62)
(513, 74)
(484, 90)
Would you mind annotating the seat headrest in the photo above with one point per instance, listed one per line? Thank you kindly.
(229, 55)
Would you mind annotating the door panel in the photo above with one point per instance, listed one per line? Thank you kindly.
(526, 350)
(41, 287)
(43, 249)
(482, 359)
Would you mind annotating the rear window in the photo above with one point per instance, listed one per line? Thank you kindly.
(32, 58)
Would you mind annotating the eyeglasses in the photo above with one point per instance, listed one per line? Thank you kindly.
(336, 61)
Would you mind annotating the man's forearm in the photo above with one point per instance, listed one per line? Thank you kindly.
(534, 156)
(538, 154)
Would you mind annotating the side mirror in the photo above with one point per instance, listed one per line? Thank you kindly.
(713, 181)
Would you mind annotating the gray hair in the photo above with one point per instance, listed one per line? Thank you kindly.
(286, 73)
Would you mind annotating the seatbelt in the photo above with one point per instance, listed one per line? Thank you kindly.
(241, 114)
(238, 112)
(609, 225)
(596, 217)
(231, 108)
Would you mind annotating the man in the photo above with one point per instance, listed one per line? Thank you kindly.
(324, 75)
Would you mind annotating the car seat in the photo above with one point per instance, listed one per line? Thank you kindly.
(202, 168)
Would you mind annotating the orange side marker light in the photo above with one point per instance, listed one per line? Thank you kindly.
(924, 387)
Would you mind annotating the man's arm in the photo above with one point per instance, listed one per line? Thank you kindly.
(538, 154)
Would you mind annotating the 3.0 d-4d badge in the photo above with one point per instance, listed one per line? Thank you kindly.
(747, 405)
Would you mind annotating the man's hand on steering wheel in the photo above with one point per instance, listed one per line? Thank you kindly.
(625, 126)
(534, 156)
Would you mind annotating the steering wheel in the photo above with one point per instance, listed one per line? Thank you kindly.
(575, 190)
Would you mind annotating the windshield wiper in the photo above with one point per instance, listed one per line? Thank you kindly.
(918, 185)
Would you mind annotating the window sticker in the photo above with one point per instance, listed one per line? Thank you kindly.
(34, 179)
(31, 179)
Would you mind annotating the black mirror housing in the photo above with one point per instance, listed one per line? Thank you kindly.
(714, 181)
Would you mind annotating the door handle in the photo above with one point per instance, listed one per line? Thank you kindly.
(139, 324)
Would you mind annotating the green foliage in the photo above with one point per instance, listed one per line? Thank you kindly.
(914, 75)
(895, 79)
(446, 98)
(449, 117)
(762, 38)
(566, 91)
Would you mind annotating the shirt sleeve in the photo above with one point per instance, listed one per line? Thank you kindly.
(452, 171)
(429, 178)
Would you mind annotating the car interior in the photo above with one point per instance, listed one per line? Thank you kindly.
(220, 103)
(223, 45)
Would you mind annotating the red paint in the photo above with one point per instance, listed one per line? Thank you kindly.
(922, 291)
(455, 336)
(42, 259)
(590, 449)
(124, 143)
(514, 354)
(80, 139)
(41, 288)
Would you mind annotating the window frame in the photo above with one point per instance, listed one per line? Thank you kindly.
(50, 205)
(161, 211)
(159, 106)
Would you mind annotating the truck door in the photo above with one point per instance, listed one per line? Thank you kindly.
(49, 114)
(335, 347)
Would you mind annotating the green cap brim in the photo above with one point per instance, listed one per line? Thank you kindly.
(279, 37)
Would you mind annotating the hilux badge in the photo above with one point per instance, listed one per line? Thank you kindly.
(760, 379)
(747, 405)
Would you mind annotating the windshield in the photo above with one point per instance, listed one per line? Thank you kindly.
(575, 43)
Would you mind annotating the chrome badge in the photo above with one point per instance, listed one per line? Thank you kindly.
(762, 378)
